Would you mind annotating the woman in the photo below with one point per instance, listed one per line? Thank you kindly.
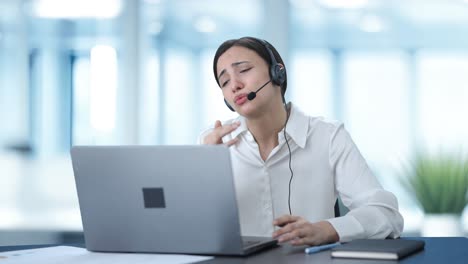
(289, 168)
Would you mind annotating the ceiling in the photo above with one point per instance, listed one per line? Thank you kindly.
(249, 12)
(311, 22)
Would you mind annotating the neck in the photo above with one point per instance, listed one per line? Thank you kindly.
(266, 127)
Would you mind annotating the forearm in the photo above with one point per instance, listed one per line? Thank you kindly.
(368, 222)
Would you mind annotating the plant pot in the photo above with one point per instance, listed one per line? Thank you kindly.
(442, 225)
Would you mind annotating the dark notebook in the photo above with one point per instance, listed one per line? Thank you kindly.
(392, 249)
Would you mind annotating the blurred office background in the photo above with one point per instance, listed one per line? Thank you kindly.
(111, 72)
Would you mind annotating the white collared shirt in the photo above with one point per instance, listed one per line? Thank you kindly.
(326, 163)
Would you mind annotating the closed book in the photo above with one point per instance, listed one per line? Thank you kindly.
(390, 249)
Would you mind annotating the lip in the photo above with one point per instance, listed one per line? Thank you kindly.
(240, 99)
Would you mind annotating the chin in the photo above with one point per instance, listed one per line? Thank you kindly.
(248, 111)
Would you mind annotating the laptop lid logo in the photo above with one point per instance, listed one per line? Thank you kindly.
(154, 198)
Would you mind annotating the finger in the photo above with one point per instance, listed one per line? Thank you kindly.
(226, 129)
(307, 240)
(217, 124)
(297, 242)
(302, 241)
(295, 234)
(288, 228)
(232, 142)
(280, 221)
(285, 219)
(299, 224)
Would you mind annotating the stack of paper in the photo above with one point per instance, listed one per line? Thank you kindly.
(74, 255)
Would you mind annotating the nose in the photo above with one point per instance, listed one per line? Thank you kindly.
(236, 85)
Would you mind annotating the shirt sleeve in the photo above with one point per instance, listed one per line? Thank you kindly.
(373, 210)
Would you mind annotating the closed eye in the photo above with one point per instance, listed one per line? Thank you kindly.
(242, 71)
(246, 70)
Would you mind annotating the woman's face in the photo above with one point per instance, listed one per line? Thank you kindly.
(241, 71)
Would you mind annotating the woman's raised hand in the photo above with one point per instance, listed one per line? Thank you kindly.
(216, 136)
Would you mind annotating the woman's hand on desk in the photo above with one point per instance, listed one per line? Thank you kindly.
(298, 231)
(216, 136)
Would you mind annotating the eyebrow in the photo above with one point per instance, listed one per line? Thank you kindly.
(234, 64)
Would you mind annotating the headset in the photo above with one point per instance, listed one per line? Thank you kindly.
(277, 77)
(277, 73)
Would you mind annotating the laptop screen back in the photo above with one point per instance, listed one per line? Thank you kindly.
(171, 199)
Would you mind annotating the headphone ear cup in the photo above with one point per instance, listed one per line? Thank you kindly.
(278, 74)
(281, 75)
(229, 106)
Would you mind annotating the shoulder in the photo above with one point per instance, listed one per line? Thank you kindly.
(319, 124)
(324, 124)
(328, 131)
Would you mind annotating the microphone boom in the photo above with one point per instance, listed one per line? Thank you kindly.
(252, 95)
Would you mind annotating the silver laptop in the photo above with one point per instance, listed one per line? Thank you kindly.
(166, 199)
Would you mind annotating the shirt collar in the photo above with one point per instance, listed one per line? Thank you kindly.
(297, 126)
(241, 129)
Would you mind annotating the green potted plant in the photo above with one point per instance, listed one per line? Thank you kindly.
(439, 184)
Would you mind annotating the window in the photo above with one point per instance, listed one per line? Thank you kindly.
(81, 132)
(309, 82)
(443, 96)
(149, 107)
(94, 97)
(376, 104)
(178, 126)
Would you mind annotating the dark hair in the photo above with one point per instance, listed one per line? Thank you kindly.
(256, 45)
